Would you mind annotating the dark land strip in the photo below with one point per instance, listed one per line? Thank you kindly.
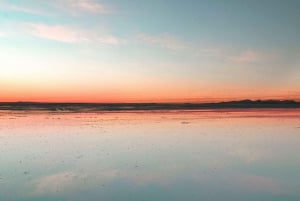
(77, 107)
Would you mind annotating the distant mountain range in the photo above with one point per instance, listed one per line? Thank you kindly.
(77, 107)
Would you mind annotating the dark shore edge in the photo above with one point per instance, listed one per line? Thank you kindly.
(78, 107)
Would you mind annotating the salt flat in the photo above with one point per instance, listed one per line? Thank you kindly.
(227, 154)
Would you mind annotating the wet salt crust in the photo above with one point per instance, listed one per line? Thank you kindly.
(179, 155)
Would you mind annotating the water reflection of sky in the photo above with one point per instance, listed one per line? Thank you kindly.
(228, 155)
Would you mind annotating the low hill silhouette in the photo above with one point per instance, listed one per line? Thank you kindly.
(147, 106)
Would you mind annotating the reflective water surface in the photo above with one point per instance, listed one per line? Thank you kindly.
(143, 156)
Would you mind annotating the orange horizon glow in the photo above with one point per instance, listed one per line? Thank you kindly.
(66, 52)
(146, 95)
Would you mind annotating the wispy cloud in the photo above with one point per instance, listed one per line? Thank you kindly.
(71, 35)
(55, 182)
(208, 51)
(56, 32)
(172, 42)
(250, 155)
(260, 184)
(57, 7)
(245, 57)
(163, 40)
(71, 180)
(23, 9)
(86, 5)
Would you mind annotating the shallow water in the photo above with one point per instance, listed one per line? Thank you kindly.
(143, 156)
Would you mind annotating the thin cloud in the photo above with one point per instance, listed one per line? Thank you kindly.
(208, 52)
(79, 7)
(245, 57)
(70, 180)
(163, 40)
(71, 35)
(56, 32)
(55, 182)
(23, 9)
(250, 155)
(171, 42)
(58, 7)
(87, 5)
(260, 184)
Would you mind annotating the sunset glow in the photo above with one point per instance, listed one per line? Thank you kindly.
(148, 51)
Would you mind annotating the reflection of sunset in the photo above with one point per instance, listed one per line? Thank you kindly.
(58, 154)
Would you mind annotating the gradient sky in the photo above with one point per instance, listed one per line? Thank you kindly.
(149, 51)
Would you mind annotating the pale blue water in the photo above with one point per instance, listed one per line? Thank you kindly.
(150, 156)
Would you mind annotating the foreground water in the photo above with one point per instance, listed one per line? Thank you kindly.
(150, 156)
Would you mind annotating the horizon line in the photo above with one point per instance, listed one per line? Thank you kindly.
(152, 102)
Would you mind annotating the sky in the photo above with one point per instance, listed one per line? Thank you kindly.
(149, 51)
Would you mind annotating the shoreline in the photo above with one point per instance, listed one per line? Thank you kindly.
(94, 107)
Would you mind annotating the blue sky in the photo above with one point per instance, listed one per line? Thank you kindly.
(149, 50)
